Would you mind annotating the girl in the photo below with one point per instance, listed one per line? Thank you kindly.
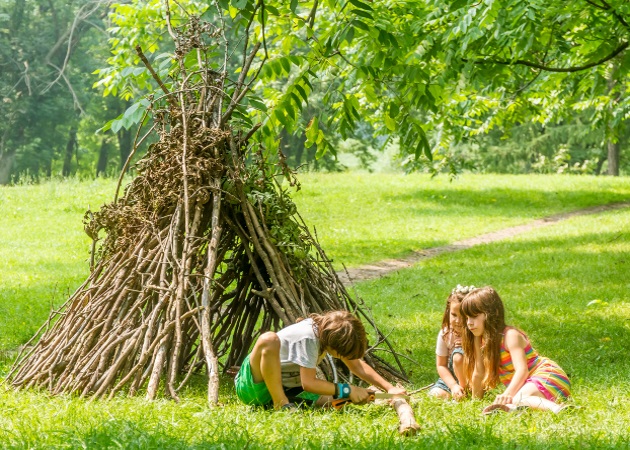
(282, 365)
(495, 352)
(448, 351)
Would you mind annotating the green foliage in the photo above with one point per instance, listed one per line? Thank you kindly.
(430, 74)
(572, 147)
(47, 55)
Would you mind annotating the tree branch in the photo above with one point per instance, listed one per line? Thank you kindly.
(311, 15)
(606, 7)
(535, 65)
(155, 75)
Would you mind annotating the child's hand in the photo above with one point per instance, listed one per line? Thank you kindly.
(458, 392)
(397, 390)
(359, 395)
(503, 399)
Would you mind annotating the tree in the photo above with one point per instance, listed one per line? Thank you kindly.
(429, 73)
(46, 62)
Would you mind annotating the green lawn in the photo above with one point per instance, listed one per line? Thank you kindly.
(361, 218)
(566, 285)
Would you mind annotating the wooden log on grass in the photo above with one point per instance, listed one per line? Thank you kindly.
(407, 420)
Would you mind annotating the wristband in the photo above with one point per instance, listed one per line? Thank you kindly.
(344, 390)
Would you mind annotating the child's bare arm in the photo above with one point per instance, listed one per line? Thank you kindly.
(457, 389)
(515, 343)
(479, 370)
(363, 370)
(311, 383)
(441, 363)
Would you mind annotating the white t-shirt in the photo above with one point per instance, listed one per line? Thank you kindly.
(299, 347)
(445, 343)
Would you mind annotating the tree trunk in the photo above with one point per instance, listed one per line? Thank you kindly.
(70, 148)
(613, 158)
(600, 162)
(101, 165)
(6, 164)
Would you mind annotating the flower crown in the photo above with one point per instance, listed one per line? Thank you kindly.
(463, 289)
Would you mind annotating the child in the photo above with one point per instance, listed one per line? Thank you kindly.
(448, 351)
(283, 365)
(495, 352)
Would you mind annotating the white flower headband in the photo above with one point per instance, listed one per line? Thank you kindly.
(463, 289)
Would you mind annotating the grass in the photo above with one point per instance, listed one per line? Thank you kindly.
(565, 285)
(361, 218)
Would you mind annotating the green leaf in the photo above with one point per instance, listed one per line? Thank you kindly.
(240, 4)
(360, 12)
(390, 123)
(272, 10)
(312, 129)
(282, 118)
(293, 6)
(257, 103)
(361, 5)
(424, 144)
(298, 102)
(286, 64)
(360, 24)
(302, 92)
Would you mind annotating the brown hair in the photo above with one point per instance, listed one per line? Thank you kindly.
(455, 297)
(342, 332)
(486, 301)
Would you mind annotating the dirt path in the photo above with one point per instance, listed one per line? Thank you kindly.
(381, 268)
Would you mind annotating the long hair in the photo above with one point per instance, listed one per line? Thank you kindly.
(486, 301)
(342, 332)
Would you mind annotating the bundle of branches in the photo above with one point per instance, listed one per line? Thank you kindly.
(202, 253)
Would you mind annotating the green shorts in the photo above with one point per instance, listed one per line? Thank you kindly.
(247, 391)
(252, 393)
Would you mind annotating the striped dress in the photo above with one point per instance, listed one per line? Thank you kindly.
(548, 377)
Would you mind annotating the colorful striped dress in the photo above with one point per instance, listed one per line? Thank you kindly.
(548, 377)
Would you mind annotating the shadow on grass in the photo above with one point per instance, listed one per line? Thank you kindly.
(497, 201)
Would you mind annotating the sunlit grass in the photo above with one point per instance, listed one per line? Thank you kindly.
(565, 285)
(361, 218)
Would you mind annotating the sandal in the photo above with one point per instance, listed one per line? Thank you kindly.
(289, 407)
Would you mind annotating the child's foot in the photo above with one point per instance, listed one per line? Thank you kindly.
(289, 407)
(496, 408)
(565, 407)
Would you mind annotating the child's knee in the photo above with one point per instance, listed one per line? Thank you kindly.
(439, 393)
(268, 340)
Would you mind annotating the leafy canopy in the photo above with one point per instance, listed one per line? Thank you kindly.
(429, 73)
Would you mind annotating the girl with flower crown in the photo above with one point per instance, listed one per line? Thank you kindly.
(448, 351)
(497, 352)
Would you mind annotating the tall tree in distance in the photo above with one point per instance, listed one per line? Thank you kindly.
(45, 84)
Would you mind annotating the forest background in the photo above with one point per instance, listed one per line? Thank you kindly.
(490, 86)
